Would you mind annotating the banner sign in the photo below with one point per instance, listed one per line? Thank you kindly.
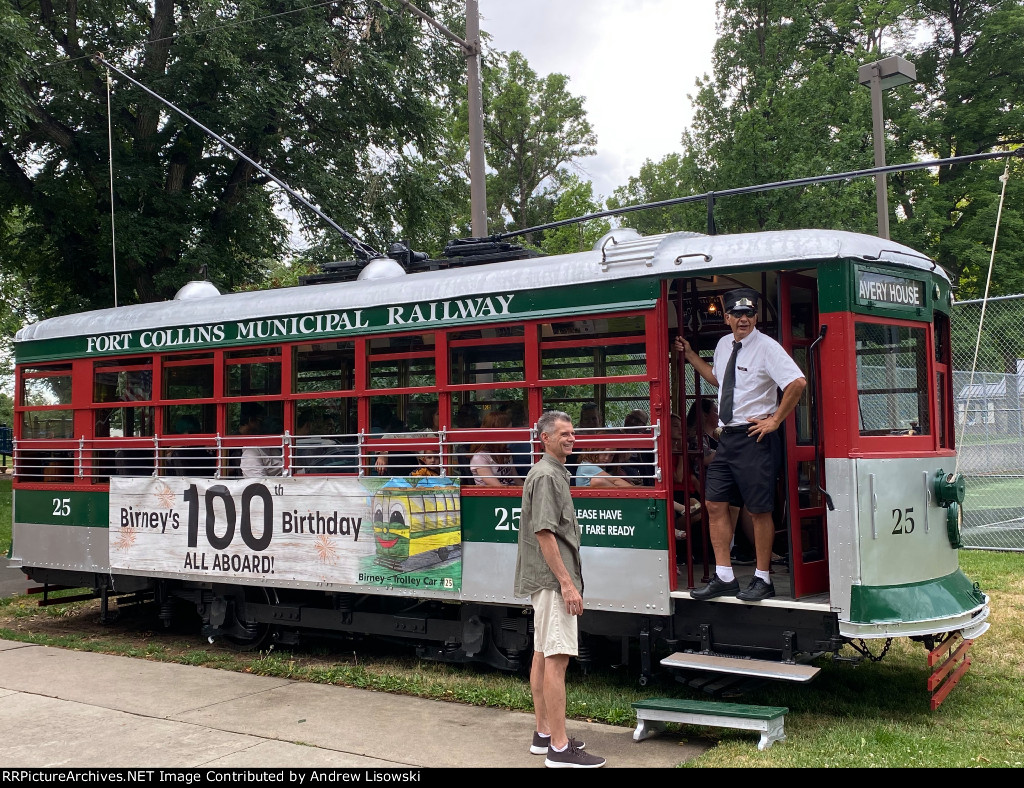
(401, 532)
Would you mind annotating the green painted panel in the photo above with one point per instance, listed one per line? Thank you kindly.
(606, 522)
(441, 313)
(871, 289)
(946, 596)
(61, 507)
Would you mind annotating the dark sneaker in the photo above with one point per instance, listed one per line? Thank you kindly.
(757, 590)
(572, 758)
(540, 744)
(716, 587)
(741, 559)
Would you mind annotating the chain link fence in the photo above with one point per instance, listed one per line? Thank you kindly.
(989, 406)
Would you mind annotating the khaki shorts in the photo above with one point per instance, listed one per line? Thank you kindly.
(554, 630)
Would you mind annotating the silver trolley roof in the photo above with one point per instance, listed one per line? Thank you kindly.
(619, 255)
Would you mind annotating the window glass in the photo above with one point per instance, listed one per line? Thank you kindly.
(393, 414)
(47, 424)
(126, 422)
(333, 417)
(598, 405)
(46, 386)
(123, 381)
(255, 418)
(405, 361)
(892, 379)
(324, 366)
(188, 377)
(596, 348)
(192, 418)
(253, 372)
(485, 356)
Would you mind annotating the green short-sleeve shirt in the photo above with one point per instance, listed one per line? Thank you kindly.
(547, 506)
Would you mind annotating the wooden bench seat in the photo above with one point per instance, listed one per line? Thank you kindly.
(652, 714)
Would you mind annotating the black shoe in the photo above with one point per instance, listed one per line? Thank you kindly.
(716, 587)
(741, 559)
(757, 590)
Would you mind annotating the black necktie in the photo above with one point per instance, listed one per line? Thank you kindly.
(725, 411)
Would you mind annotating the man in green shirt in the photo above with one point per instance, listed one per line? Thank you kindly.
(549, 572)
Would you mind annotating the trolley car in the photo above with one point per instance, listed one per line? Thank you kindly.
(130, 436)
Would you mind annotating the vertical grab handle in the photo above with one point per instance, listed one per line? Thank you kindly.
(874, 505)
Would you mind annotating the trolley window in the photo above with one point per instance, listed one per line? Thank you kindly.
(892, 379)
(402, 369)
(251, 373)
(45, 386)
(324, 366)
(123, 380)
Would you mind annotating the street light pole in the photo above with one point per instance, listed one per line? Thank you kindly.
(880, 75)
(471, 48)
(878, 134)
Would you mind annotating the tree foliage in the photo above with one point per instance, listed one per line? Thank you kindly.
(784, 102)
(576, 199)
(533, 129)
(335, 99)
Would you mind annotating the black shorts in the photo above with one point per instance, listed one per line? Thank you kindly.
(746, 470)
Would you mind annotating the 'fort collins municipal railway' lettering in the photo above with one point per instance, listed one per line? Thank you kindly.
(321, 324)
(450, 310)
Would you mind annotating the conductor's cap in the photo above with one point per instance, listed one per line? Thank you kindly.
(741, 299)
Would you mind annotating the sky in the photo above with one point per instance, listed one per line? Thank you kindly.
(635, 62)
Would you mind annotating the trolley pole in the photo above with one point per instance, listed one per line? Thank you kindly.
(470, 47)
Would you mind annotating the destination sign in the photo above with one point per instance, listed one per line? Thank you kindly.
(876, 288)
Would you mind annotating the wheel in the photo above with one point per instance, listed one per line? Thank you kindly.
(643, 681)
(241, 634)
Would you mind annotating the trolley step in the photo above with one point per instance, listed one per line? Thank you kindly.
(762, 668)
(652, 714)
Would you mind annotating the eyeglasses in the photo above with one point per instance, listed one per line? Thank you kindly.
(742, 312)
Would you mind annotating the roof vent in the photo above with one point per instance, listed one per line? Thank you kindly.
(195, 289)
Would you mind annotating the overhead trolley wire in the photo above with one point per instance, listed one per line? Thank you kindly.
(361, 250)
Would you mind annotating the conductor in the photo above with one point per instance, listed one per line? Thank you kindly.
(749, 369)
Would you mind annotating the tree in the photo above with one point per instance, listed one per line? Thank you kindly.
(970, 70)
(784, 102)
(576, 199)
(533, 129)
(333, 98)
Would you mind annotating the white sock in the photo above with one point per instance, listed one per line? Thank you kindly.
(553, 747)
(763, 575)
(544, 735)
(725, 574)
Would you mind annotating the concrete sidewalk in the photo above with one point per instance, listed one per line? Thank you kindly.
(61, 708)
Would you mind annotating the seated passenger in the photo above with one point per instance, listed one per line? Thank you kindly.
(311, 447)
(191, 460)
(259, 460)
(491, 463)
(429, 463)
(591, 471)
